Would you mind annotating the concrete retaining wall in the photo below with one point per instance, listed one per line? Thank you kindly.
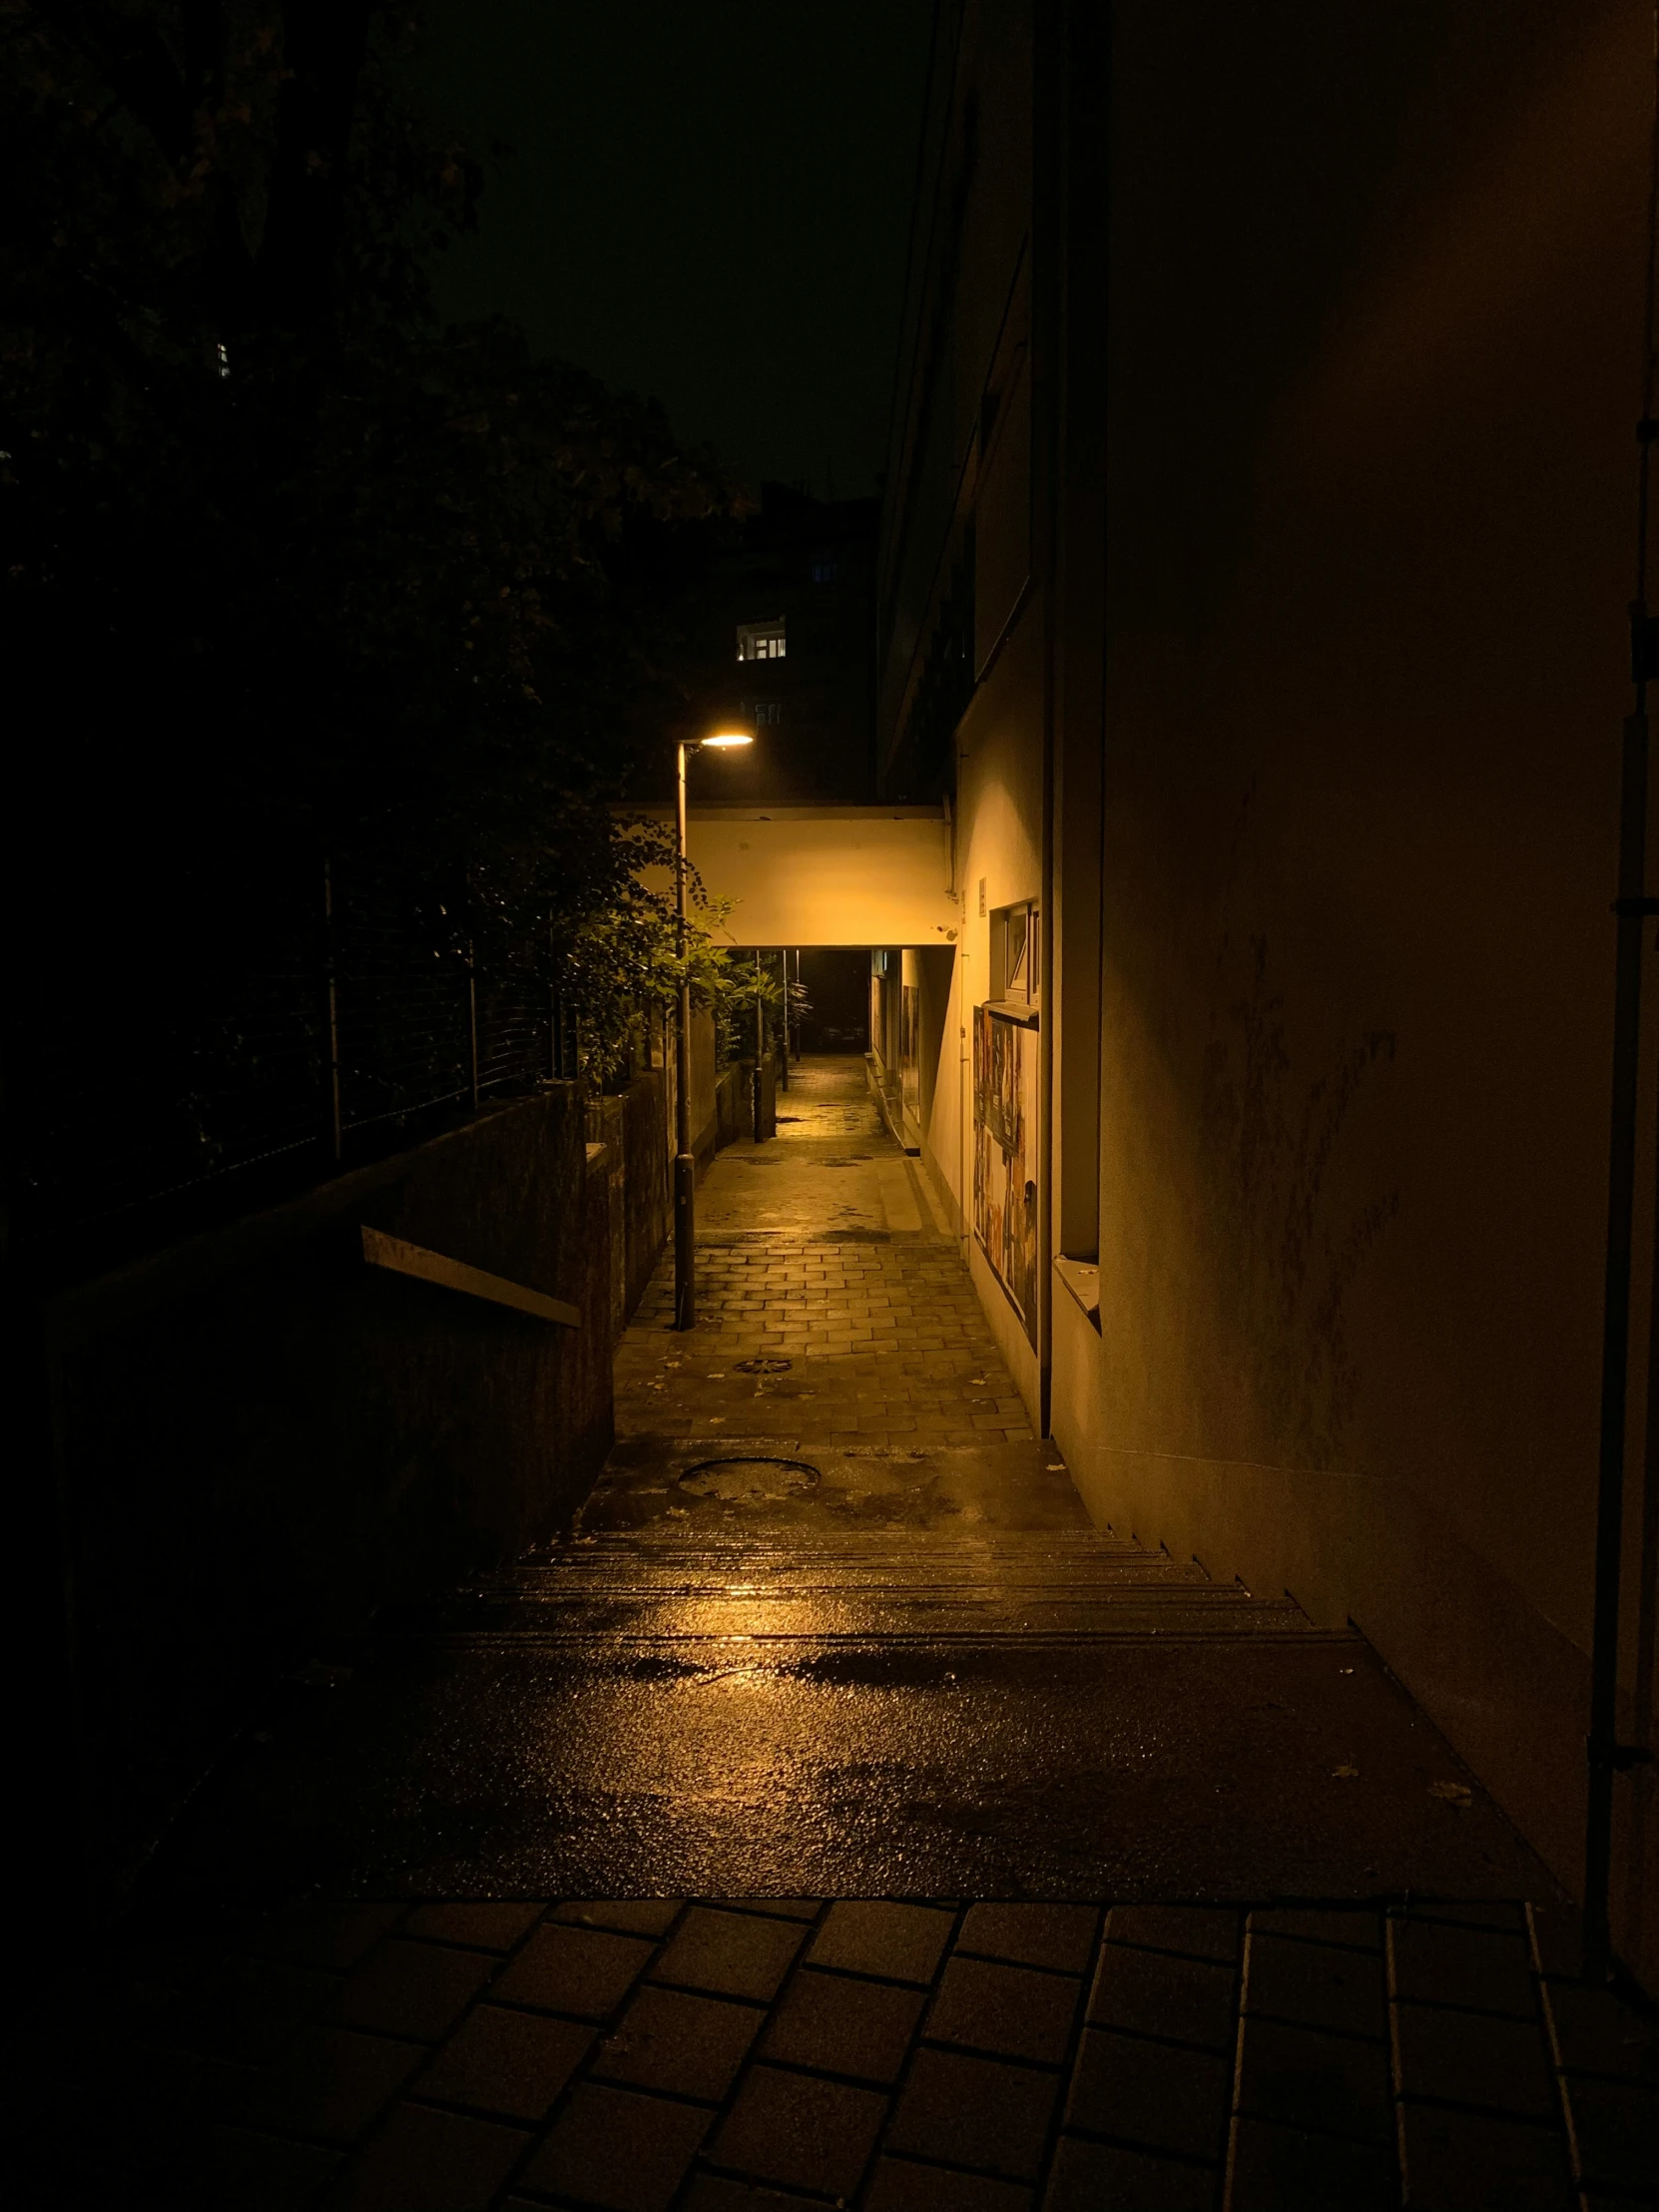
(735, 1103)
(258, 1440)
(634, 1127)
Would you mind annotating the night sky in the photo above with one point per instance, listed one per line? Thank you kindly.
(709, 204)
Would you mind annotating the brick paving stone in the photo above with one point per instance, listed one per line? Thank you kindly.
(574, 1970)
(512, 2064)
(1500, 1914)
(416, 1991)
(494, 1928)
(430, 2161)
(901, 1942)
(1057, 1936)
(310, 1933)
(1314, 1985)
(1283, 2169)
(1618, 2134)
(1105, 2177)
(1306, 2078)
(1472, 1968)
(801, 2131)
(899, 2185)
(843, 2026)
(252, 2009)
(615, 2149)
(720, 2193)
(175, 1962)
(735, 1955)
(1184, 2001)
(332, 2084)
(786, 1908)
(1600, 2035)
(1558, 1937)
(1361, 1928)
(1470, 2058)
(690, 2046)
(234, 2168)
(1468, 2163)
(1012, 2011)
(1198, 1932)
(979, 2113)
(1161, 2096)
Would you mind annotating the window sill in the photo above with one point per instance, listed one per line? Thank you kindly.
(1014, 1010)
(1082, 1278)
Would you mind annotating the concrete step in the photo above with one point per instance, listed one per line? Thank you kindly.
(879, 1549)
(887, 1616)
(833, 1571)
(860, 1587)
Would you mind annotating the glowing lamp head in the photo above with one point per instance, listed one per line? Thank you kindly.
(723, 738)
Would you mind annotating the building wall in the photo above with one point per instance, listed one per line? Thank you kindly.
(808, 561)
(999, 846)
(1306, 731)
(824, 875)
(1366, 675)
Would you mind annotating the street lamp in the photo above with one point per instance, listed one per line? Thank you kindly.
(684, 1162)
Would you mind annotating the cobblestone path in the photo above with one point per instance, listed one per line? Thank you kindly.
(962, 1857)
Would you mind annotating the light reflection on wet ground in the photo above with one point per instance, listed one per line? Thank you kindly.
(921, 1672)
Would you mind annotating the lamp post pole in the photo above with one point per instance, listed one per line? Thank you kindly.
(684, 1163)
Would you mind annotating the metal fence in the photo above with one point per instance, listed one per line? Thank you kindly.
(353, 1022)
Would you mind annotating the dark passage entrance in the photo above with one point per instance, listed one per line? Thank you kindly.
(838, 992)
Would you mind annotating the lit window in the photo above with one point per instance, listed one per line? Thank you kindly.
(1016, 945)
(824, 569)
(761, 641)
(221, 359)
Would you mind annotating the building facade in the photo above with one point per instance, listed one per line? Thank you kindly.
(785, 623)
(1251, 597)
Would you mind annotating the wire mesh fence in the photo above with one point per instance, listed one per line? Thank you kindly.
(351, 1019)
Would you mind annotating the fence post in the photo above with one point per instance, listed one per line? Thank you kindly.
(331, 969)
(554, 1009)
(472, 1021)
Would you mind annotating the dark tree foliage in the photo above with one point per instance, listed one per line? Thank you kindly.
(288, 569)
(290, 573)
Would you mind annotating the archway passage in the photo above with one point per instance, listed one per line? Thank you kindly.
(836, 1016)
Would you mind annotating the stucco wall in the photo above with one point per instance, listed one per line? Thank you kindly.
(825, 876)
(1366, 675)
(999, 844)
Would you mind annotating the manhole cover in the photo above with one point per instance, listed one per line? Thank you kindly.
(748, 1480)
(758, 1367)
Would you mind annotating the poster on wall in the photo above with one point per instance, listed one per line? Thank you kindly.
(1005, 1156)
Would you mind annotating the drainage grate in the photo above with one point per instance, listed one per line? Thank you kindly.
(760, 1367)
(748, 1480)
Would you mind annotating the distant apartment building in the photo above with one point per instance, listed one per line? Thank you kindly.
(786, 623)
(1251, 600)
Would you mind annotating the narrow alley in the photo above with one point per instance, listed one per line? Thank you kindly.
(831, 1650)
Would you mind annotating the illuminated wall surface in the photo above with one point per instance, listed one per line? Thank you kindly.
(826, 875)
(1290, 684)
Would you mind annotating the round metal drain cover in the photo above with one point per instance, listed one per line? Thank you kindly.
(760, 1367)
(749, 1479)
